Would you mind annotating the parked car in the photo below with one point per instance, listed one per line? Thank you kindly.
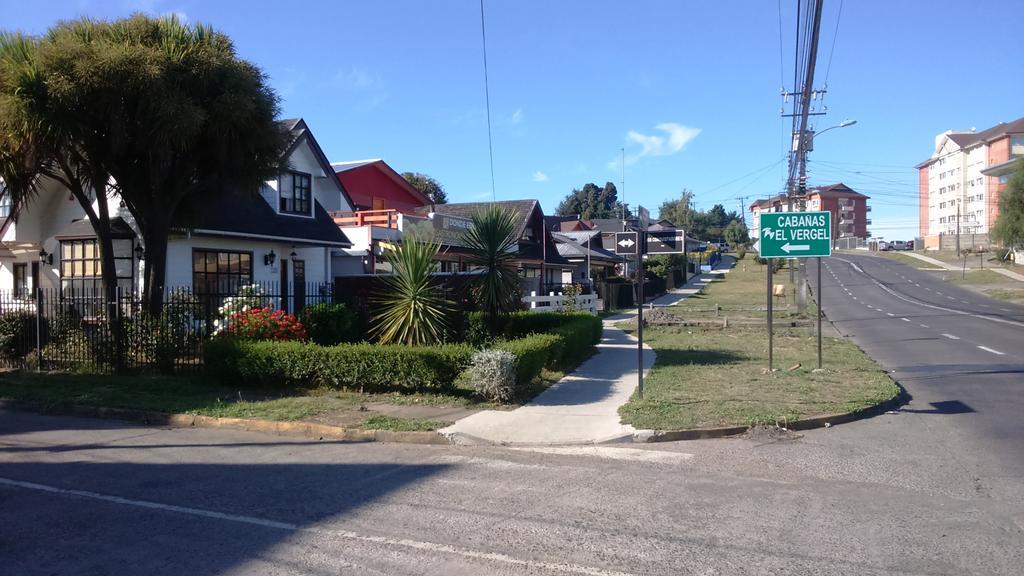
(722, 246)
(897, 245)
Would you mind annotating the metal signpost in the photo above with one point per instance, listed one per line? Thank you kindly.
(640, 243)
(794, 235)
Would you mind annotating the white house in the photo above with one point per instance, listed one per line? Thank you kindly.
(283, 235)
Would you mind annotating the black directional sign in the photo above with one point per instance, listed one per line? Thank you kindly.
(666, 242)
(625, 242)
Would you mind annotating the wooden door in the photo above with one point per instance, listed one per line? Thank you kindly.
(299, 276)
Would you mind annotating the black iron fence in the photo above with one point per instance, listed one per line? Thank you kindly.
(81, 330)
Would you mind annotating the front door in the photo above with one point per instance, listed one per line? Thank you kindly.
(299, 275)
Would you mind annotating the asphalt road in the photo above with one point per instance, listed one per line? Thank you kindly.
(934, 488)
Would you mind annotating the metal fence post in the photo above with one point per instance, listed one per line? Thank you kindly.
(39, 329)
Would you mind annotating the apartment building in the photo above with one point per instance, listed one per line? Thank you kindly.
(960, 185)
(849, 209)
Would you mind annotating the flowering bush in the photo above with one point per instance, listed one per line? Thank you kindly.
(249, 297)
(264, 324)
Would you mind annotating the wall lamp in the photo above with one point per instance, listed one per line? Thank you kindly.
(140, 253)
(45, 257)
(269, 258)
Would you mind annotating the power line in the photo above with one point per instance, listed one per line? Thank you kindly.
(487, 99)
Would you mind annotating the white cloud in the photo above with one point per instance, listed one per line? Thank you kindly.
(675, 138)
(539, 176)
(517, 116)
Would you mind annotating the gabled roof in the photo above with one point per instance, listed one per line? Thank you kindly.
(569, 246)
(523, 209)
(300, 133)
(968, 139)
(340, 168)
(835, 191)
(610, 224)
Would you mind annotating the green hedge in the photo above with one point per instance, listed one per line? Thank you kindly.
(564, 346)
(365, 367)
(554, 341)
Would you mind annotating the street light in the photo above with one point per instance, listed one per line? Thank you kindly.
(812, 135)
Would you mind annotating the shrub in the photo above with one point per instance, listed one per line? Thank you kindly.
(329, 324)
(563, 346)
(18, 333)
(364, 367)
(264, 324)
(493, 373)
(532, 353)
(741, 251)
(248, 297)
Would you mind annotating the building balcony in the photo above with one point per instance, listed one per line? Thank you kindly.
(867, 222)
(867, 208)
(376, 218)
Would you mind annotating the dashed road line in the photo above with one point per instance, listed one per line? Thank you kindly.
(950, 336)
(905, 319)
(987, 349)
(890, 313)
(923, 325)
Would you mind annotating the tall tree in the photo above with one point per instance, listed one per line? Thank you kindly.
(1009, 225)
(162, 113)
(592, 202)
(493, 246)
(736, 233)
(427, 186)
(680, 212)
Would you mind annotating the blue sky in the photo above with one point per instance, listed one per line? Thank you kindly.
(689, 89)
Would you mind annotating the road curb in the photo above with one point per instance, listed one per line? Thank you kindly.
(304, 429)
(810, 423)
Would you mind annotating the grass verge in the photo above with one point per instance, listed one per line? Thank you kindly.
(740, 293)
(712, 377)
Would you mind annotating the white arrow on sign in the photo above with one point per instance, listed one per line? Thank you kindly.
(768, 233)
(626, 243)
(757, 246)
(787, 247)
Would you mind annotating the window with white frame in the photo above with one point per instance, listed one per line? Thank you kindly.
(296, 192)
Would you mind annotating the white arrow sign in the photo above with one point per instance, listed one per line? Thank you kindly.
(787, 247)
(626, 243)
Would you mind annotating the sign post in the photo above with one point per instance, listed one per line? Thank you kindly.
(640, 316)
(794, 235)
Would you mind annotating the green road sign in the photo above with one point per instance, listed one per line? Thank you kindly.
(795, 234)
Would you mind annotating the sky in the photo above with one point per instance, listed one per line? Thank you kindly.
(687, 93)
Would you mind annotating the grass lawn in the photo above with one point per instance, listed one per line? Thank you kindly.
(908, 260)
(1015, 295)
(986, 277)
(714, 377)
(741, 293)
(193, 395)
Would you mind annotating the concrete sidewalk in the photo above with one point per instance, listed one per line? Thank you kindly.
(581, 408)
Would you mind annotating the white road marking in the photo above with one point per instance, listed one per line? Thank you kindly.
(932, 306)
(950, 298)
(939, 293)
(1005, 309)
(950, 336)
(565, 568)
(612, 453)
(905, 319)
(854, 297)
(987, 349)
(985, 306)
(923, 325)
(890, 313)
(927, 288)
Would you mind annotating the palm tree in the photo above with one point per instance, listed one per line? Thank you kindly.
(494, 245)
(413, 310)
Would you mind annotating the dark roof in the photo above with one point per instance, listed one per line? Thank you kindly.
(236, 214)
(834, 190)
(570, 247)
(82, 228)
(522, 208)
(300, 133)
(609, 224)
(966, 139)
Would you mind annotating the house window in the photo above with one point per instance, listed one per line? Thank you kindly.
(20, 280)
(80, 268)
(220, 273)
(1016, 146)
(296, 193)
(1004, 178)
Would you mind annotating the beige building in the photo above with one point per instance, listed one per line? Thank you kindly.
(959, 186)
